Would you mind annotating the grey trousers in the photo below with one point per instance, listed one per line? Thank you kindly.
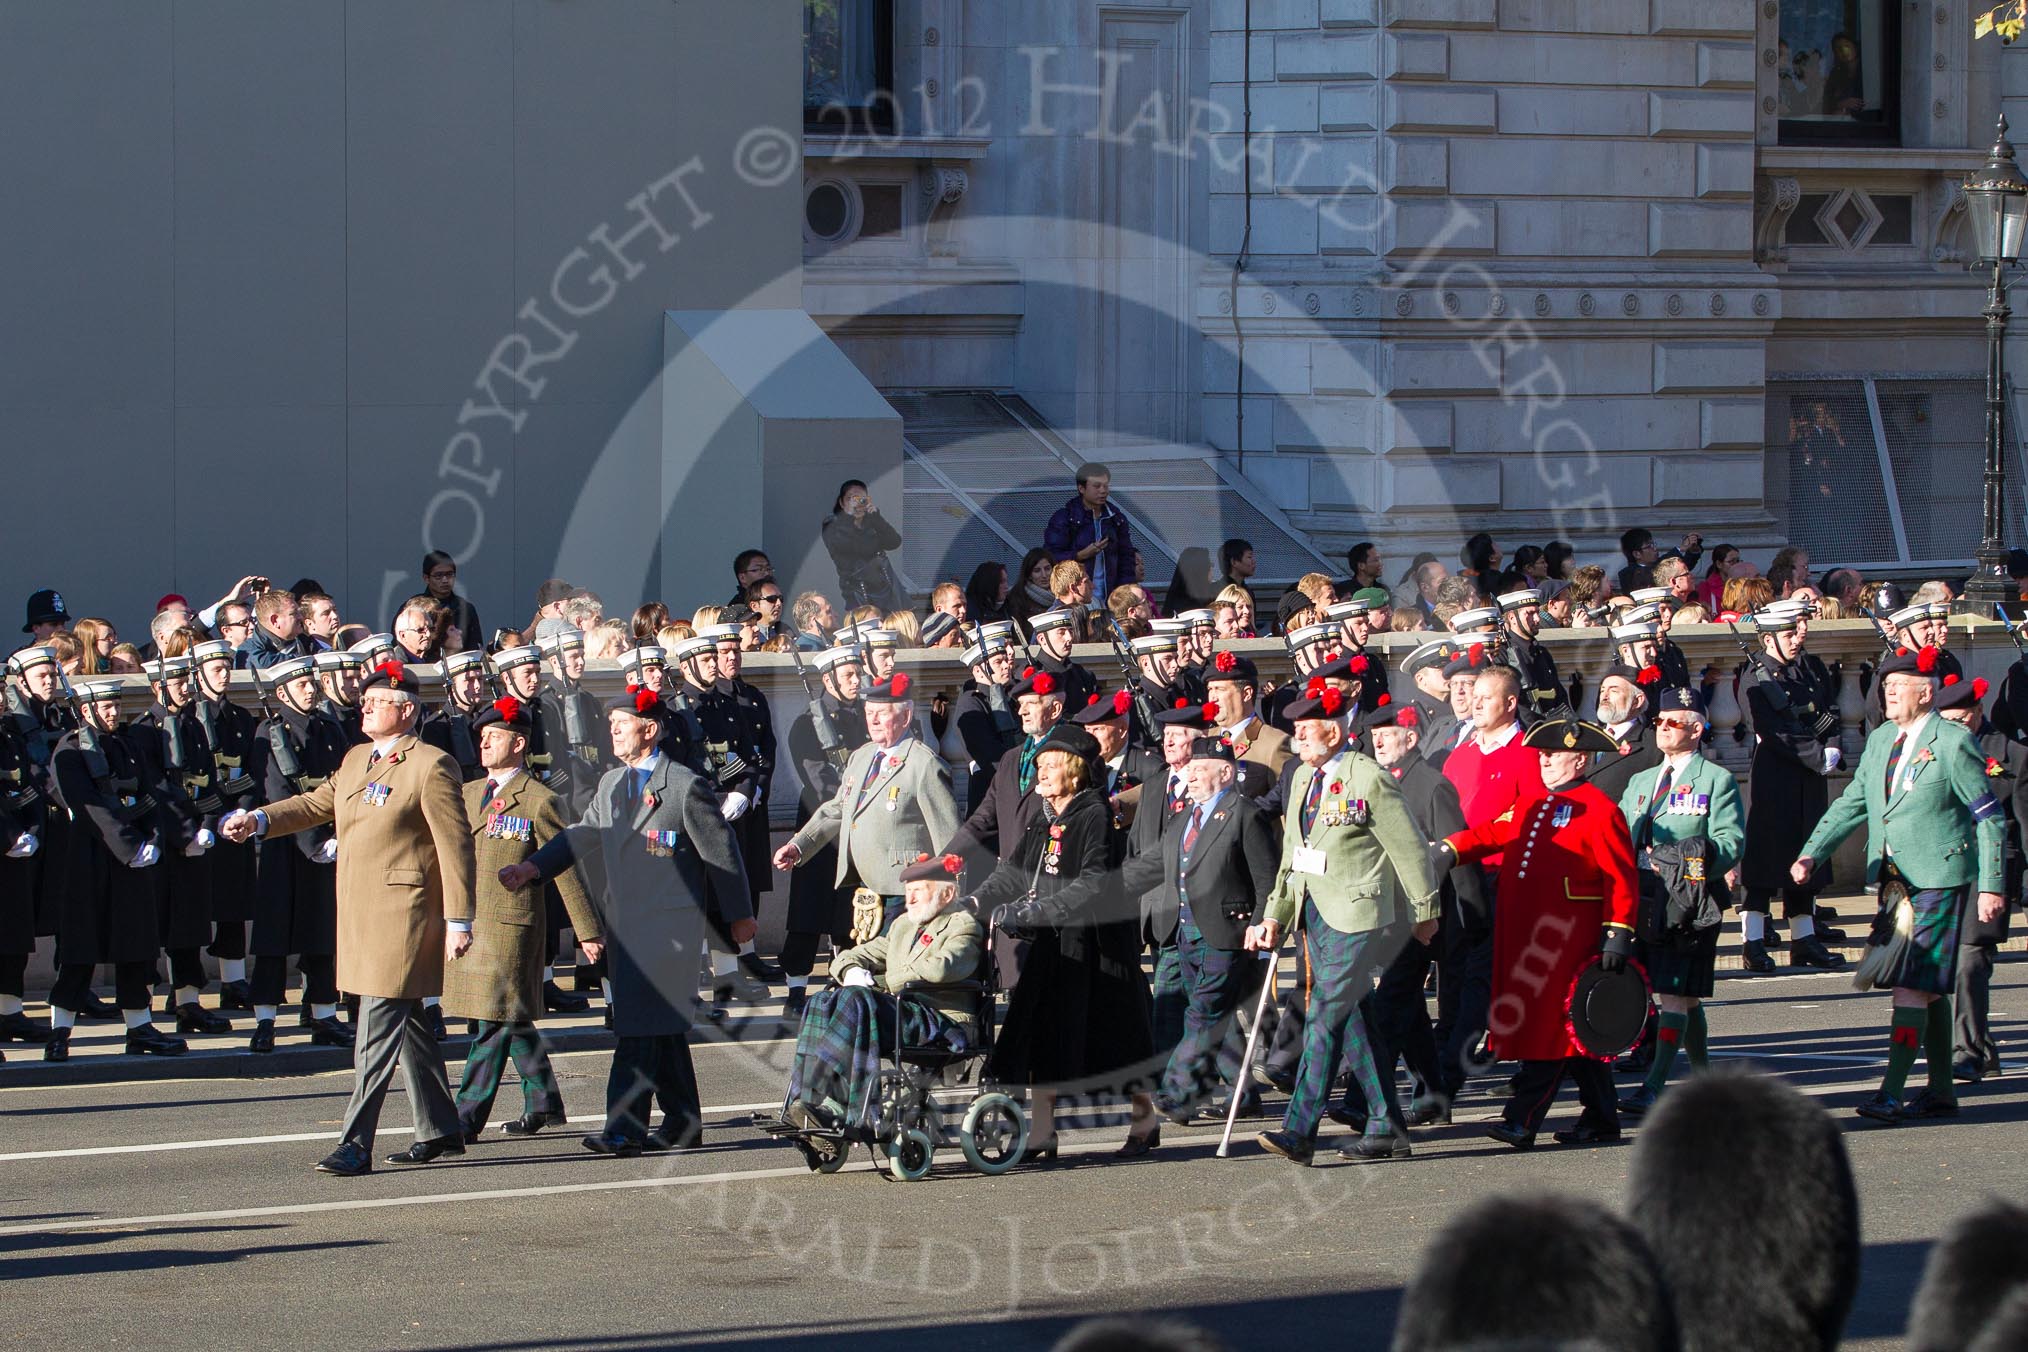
(392, 1032)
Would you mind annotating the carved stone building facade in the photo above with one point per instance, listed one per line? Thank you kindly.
(1552, 267)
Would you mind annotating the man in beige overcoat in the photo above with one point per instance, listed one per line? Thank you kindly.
(498, 983)
(405, 876)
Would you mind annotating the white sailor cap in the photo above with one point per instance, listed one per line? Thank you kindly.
(1164, 624)
(974, 655)
(211, 650)
(1777, 618)
(558, 641)
(97, 690)
(27, 659)
(338, 661)
(1312, 633)
(1052, 619)
(1473, 619)
(720, 633)
(464, 661)
(373, 643)
(289, 670)
(647, 655)
(509, 658)
(1147, 645)
(1345, 610)
(1633, 633)
(849, 634)
(1908, 615)
(694, 646)
(167, 666)
(1199, 619)
(882, 638)
(1651, 596)
(1646, 613)
(1000, 630)
(833, 658)
(1519, 600)
(1937, 610)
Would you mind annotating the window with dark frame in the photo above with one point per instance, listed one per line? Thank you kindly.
(1838, 72)
(848, 66)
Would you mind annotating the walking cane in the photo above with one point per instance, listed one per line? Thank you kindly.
(1239, 1081)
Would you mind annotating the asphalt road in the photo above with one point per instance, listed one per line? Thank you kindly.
(185, 1213)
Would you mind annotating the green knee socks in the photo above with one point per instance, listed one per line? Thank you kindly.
(1904, 1039)
(1937, 1048)
(1697, 1039)
(1668, 1037)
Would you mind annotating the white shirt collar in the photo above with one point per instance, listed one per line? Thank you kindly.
(1498, 740)
(382, 749)
(502, 778)
(1677, 763)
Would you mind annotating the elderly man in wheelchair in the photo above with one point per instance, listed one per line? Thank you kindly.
(911, 997)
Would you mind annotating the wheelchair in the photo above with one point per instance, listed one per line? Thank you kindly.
(991, 1131)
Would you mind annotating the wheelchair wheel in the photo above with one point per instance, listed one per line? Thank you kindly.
(909, 1158)
(993, 1134)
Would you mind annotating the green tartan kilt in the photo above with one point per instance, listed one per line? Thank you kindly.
(1929, 960)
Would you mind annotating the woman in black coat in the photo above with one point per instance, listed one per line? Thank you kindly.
(859, 540)
(1079, 1013)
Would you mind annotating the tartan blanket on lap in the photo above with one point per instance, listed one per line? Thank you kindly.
(836, 1072)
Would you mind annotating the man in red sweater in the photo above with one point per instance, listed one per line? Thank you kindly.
(1492, 771)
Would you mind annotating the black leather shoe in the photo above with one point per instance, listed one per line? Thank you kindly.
(761, 970)
(1753, 957)
(1364, 1149)
(1181, 1114)
(195, 1018)
(433, 1015)
(557, 1000)
(95, 1008)
(470, 1134)
(666, 1137)
(1288, 1145)
(58, 1046)
(794, 1006)
(1636, 1102)
(235, 995)
(737, 985)
(1637, 1061)
(328, 1033)
(1827, 925)
(609, 1018)
(1508, 1134)
(1809, 951)
(1137, 1146)
(423, 1152)
(1430, 1111)
(1278, 1080)
(1584, 1133)
(18, 1027)
(349, 1160)
(1882, 1107)
(609, 1143)
(1249, 1106)
(148, 1040)
(1345, 1117)
(1040, 1154)
(263, 1041)
(528, 1124)
(1968, 1070)
(1926, 1102)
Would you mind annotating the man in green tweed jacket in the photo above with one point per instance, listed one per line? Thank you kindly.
(1934, 831)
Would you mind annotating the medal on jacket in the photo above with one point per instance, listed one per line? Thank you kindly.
(501, 827)
(894, 798)
(1561, 817)
(376, 795)
(661, 844)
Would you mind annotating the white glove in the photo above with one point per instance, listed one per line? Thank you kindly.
(24, 845)
(205, 837)
(195, 849)
(734, 807)
(146, 855)
(327, 853)
(857, 976)
(1833, 757)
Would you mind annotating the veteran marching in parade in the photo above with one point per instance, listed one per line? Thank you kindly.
(1470, 878)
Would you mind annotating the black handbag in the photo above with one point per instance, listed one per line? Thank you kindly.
(1678, 892)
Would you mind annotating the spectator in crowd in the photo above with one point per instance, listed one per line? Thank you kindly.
(349, 634)
(1558, 558)
(440, 580)
(126, 660)
(1931, 592)
(1320, 590)
(1691, 614)
(1480, 558)
(607, 640)
(949, 599)
(1790, 570)
(766, 600)
(1531, 567)
(583, 610)
(1743, 596)
(1032, 597)
(1711, 591)
(1638, 544)
(1131, 609)
(649, 618)
(1235, 563)
(416, 631)
(1675, 574)
(277, 633)
(859, 540)
(1234, 609)
(1091, 531)
(96, 639)
(320, 618)
(904, 623)
(1848, 588)
(1070, 585)
(1191, 587)
(549, 602)
(1589, 590)
(66, 647)
(1365, 562)
(172, 612)
(1556, 605)
(749, 566)
(986, 593)
(814, 620)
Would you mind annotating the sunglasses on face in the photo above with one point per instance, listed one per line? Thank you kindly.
(1680, 724)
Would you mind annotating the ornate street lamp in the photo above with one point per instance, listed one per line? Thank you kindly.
(1996, 200)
